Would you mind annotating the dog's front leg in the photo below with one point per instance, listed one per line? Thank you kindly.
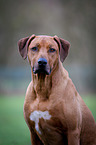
(35, 139)
(73, 137)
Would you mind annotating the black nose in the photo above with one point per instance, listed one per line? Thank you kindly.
(42, 62)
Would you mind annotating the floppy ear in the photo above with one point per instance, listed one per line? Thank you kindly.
(63, 46)
(23, 45)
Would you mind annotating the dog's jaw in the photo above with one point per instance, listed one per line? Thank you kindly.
(41, 71)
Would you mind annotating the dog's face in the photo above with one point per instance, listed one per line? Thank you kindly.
(43, 52)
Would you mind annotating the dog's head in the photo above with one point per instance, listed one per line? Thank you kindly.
(43, 52)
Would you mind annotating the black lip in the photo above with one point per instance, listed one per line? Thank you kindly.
(41, 71)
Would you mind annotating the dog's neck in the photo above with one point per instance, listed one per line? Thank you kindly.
(43, 84)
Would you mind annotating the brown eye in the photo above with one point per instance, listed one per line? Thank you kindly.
(34, 48)
(52, 50)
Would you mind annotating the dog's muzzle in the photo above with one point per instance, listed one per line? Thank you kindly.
(42, 67)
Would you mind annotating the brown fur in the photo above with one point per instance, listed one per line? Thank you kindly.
(72, 122)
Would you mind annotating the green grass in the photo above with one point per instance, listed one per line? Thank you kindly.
(13, 129)
(91, 103)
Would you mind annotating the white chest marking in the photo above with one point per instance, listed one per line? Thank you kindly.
(36, 115)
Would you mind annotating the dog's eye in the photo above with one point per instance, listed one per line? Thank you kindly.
(34, 48)
(52, 50)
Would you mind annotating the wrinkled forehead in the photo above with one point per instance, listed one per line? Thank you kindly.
(43, 41)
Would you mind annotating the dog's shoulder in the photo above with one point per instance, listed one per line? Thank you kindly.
(29, 88)
(30, 93)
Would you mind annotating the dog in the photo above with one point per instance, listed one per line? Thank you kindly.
(53, 109)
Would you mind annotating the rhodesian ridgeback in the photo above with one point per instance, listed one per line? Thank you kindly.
(53, 110)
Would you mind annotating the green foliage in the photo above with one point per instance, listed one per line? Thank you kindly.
(13, 129)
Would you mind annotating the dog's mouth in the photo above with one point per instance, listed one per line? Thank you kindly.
(41, 70)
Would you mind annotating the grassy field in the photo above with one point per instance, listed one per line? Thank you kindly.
(13, 129)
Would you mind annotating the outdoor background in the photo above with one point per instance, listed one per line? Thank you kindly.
(73, 20)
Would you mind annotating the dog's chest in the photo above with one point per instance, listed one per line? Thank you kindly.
(38, 115)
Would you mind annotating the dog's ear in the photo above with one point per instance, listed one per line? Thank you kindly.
(23, 45)
(63, 47)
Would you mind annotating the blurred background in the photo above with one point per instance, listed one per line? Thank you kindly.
(73, 20)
